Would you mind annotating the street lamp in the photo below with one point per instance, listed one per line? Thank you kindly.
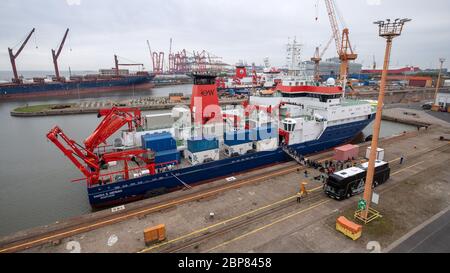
(388, 29)
(441, 60)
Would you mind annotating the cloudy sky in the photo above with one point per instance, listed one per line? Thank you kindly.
(233, 29)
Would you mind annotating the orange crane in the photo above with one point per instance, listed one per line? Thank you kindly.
(343, 45)
(55, 56)
(318, 57)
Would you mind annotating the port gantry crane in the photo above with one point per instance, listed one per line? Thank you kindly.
(13, 56)
(55, 55)
(343, 45)
(91, 154)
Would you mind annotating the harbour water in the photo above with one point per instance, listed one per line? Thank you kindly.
(35, 187)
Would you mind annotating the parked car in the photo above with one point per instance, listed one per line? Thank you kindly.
(427, 106)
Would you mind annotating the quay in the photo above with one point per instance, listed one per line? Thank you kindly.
(257, 211)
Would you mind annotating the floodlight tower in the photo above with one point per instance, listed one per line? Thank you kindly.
(441, 60)
(389, 30)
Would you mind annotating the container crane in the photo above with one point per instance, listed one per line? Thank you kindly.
(13, 56)
(343, 45)
(114, 119)
(55, 56)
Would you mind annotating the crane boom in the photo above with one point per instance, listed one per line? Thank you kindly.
(114, 119)
(343, 45)
(334, 24)
(13, 56)
(56, 55)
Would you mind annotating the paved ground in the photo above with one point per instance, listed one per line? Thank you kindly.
(305, 227)
(418, 106)
(434, 237)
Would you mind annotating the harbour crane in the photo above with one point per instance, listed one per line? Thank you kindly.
(55, 56)
(13, 56)
(318, 57)
(114, 119)
(343, 45)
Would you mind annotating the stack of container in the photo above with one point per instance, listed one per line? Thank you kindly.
(164, 147)
(202, 150)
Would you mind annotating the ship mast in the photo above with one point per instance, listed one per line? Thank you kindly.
(55, 56)
(13, 56)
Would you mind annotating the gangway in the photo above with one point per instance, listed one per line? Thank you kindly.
(292, 154)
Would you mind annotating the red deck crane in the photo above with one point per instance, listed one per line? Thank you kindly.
(55, 56)
(13, 56)
(114, 119)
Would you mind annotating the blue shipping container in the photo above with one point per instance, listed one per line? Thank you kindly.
(263, 133)
(158, 142)
(196, 146)
(238, 137)
(167, 157)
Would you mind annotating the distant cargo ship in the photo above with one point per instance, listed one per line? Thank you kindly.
(114, 79)
(105, 81)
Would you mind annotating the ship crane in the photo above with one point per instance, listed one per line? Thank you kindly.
(88, 159)
(55, 56)
(13, 56)
(117, 64)
(343, 45)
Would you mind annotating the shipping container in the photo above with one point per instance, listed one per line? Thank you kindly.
(263, 133)
(346, 152)
(380, 153)
(169, 157)
(267, 145)
(196, 146)
(238, 150)
(155, 234)
(158, 142)
(237, 137)
(202, 157)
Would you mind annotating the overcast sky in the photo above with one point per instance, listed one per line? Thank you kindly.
(233, 29)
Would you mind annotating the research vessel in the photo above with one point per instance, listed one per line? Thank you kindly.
(206, 142)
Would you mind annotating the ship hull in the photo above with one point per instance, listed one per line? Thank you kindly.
(137, 188)
(75, 89)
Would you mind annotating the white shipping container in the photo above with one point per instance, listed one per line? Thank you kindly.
(145, 172)
(128, 138)
(201, 157)
(241, 149)
(380, 153)
(267, 145)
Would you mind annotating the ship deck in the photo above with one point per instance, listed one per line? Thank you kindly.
(116, 173)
